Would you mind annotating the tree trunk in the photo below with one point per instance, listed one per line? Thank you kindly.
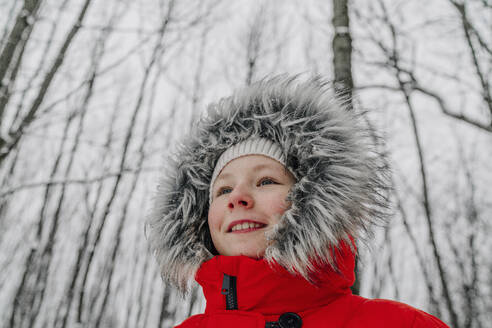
(342, 68)
(342, 51)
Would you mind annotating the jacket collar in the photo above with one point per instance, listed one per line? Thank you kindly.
(271, 289)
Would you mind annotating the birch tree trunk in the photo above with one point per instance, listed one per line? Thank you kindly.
(342, 68)
(342, 50)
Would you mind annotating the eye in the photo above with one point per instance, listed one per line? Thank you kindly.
(266, 181)
(223, 190)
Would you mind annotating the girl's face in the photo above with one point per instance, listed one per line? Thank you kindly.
(249, 197)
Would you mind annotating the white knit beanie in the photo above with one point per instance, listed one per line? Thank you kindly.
(254, 146)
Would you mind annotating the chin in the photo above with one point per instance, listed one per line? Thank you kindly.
(253, 253)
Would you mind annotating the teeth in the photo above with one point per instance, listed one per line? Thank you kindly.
(245, 225)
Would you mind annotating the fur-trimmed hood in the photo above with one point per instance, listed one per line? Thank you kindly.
(339, 192)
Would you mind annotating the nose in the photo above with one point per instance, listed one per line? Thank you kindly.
(240, 198)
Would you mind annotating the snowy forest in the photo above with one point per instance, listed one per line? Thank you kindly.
(95, 93)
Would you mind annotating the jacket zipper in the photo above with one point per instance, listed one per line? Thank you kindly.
(288, 319)
(229, 290)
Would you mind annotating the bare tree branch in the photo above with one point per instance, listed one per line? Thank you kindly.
(440, 101)
(428, 215)
(124, 216)
(79, 181)
(254, 43)
(24, 19)
(420, 258)
(405, 91)
(448, 112)
(40, 66)
(11, 17)
(409, 78)
(468, 30)
(66, 304)
(156, 54)
(471, 290)
(5, 88)
(7, 145)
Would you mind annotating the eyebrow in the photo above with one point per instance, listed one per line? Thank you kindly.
(258, 167)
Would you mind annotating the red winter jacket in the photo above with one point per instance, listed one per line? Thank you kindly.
(260, 296)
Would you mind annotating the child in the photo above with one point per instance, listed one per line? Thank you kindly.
(262, 204)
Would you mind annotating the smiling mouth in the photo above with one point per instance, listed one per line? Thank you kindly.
(246, 227)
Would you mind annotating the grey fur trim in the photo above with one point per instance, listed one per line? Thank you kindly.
(340, 188)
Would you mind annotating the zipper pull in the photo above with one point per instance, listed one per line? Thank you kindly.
(226, 281)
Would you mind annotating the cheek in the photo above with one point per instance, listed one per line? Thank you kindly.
(214, 218)
(278, 204)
